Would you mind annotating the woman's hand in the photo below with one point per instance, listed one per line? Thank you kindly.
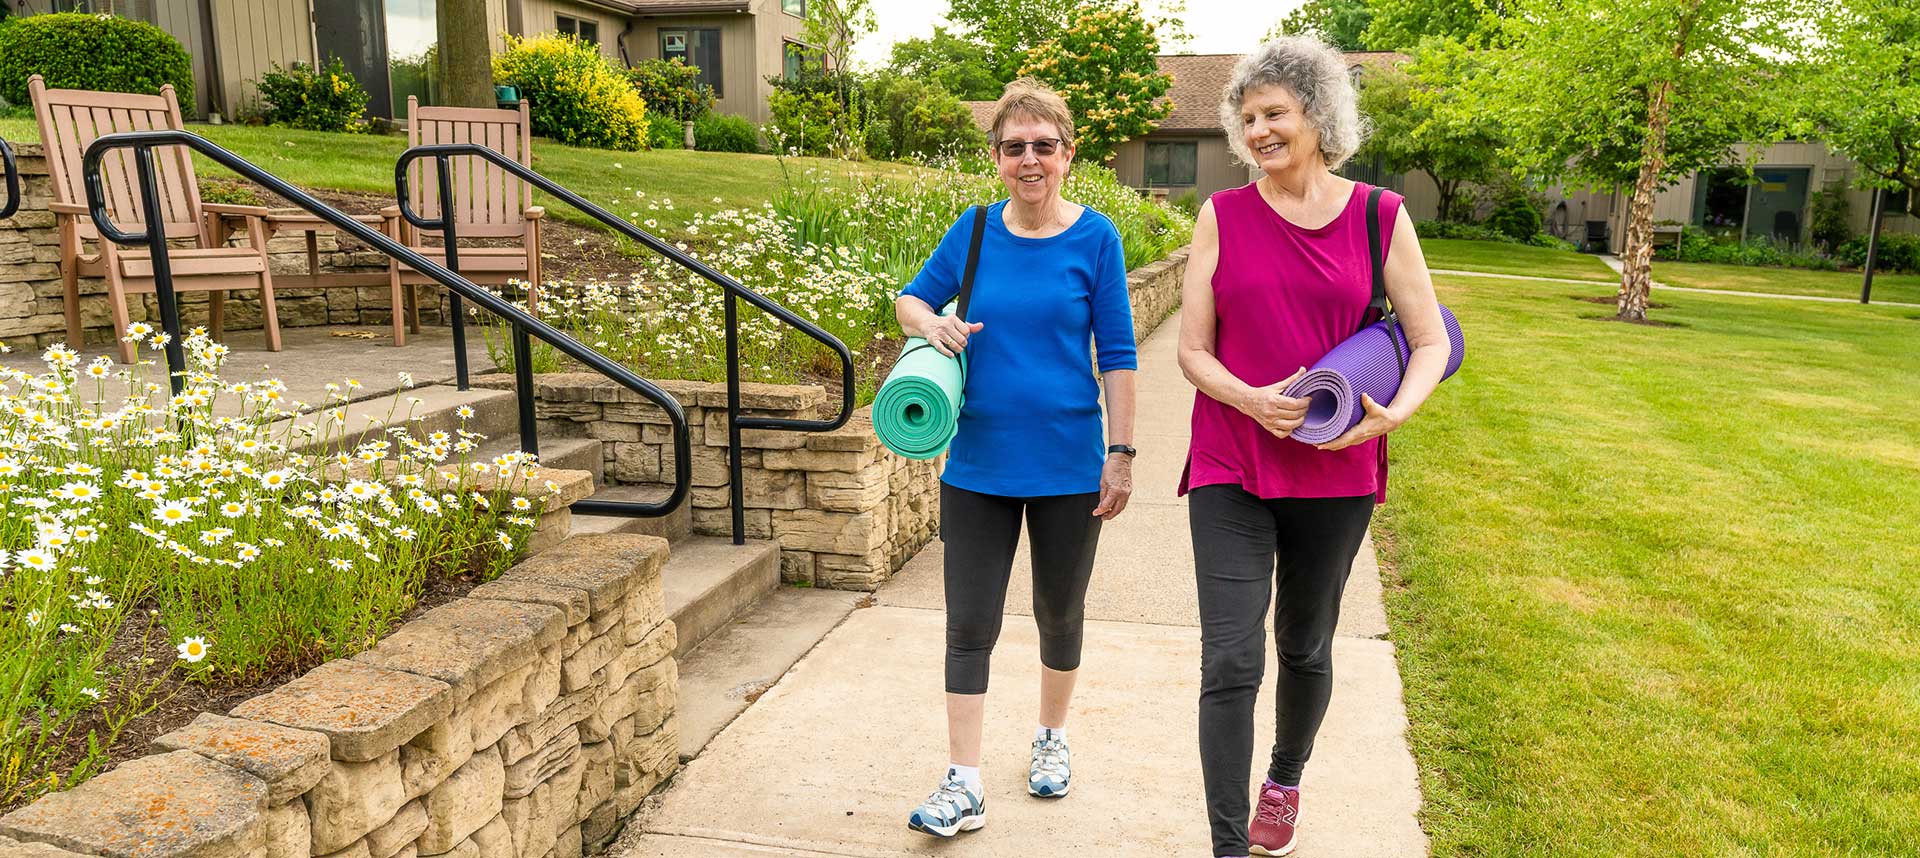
(1272, 408)
(1379, 421)
(1116, 486)
(948, 334)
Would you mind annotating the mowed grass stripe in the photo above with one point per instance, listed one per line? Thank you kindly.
(1652, 588)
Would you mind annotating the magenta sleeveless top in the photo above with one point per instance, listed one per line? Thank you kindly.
(1283, 297)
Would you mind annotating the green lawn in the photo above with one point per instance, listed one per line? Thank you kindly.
(364, 162)
(1787, 281)
(1653, 589)
(1501, 258)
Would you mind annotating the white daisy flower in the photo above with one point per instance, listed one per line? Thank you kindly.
(193, 650)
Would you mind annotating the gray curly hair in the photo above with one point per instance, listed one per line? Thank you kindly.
(1317, 75)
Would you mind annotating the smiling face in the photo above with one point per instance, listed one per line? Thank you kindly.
(1274, 126)
(1031, 178)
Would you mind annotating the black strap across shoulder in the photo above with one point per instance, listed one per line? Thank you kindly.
(973, 261)
(1378, 264)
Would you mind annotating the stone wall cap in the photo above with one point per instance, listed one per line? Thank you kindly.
(572, 601)
(177, 805)
(10, 848)
(287, 760)
(855, 437)
(364, 710)
(468, 643)
(608, 566)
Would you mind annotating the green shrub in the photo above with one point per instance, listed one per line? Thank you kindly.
(575, 95)
(1831, 214)
(914, 119)
(665, 133)
(1551, 242)
(313, 99)
(1455, 229)
(1695, 245)
(818, 114)
(672, 88)
(1515, 217)
(1188, 202)
(724, 132)
(1897, 252)
(97, 52)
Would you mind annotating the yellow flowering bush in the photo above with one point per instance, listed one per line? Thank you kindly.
(576, 96)
(1104, 65)
(147, 540)
(314, 99)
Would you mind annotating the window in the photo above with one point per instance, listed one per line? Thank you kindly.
(1895, 203)
(699, 48)
(799, 59)
(587, 31)
(796, 8)
(1173, 163)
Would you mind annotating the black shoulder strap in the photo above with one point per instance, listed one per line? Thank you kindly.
(973, 260)
(1379, 269)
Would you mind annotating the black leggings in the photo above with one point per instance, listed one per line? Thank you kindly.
(981, 533)
(1236, 537)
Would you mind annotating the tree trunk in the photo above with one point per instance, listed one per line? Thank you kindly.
(466, 54)
(1448, 189)
(1636, 274)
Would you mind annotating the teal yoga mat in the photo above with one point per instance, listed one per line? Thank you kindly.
(918, 407)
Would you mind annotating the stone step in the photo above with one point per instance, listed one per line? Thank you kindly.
(578, 454)
(708, 580)
(494, 414)
(673, 527)
(728, 671)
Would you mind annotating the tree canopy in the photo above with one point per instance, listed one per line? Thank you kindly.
(957, 65)
(1859, 91)
(1340, 23)
(1105, 64)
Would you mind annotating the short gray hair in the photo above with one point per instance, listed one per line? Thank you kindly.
(1317, 75)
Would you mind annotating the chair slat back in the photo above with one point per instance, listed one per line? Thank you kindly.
(71, 119)
(487, 201)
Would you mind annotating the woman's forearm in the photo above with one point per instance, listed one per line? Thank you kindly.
(913, 315)
(1205, 371)
(1120, 386)
(1425, 369)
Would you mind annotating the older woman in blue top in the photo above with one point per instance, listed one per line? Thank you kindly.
(1051, 283)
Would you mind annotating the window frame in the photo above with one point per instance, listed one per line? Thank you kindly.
(562, 21)
(1168, 179)
(791, 49)
(716, 73)
(802, 14)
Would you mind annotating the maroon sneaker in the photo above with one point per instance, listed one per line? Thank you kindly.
(1272, 832)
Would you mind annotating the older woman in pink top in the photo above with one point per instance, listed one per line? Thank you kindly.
(1279, 275)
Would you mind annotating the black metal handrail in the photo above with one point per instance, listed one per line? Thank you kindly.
(12, 203)
(442, 152)
(143, 142)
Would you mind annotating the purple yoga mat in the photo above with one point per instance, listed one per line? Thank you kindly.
(1364, 363)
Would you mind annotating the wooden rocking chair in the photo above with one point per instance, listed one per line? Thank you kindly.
(488, 202)
(70, 120)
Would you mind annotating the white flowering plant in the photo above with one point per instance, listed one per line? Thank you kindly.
(148, 540)
(833, 250)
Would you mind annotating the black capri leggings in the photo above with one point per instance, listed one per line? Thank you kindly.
(981, 532)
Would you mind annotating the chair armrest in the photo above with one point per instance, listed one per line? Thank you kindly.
(68, 209)
(231, 210)
(535, 212)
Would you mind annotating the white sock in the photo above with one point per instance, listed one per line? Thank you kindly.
(969, 775)
(1042, 733)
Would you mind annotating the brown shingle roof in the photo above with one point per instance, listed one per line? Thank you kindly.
(982, 114)
(656, 7)
(1199, 80)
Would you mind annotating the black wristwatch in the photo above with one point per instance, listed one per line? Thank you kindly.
(1122, 448)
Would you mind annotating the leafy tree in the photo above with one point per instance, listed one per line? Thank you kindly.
(1340, 23)
(835, 26)
(672, 88)
(1104, 64)
(1634, 92)
(1007, 31)
(1860, 91)
(1401, 24)
(913, 118)
(957, 65)
(1418, 123)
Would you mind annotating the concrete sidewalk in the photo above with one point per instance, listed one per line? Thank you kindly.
(832, 759)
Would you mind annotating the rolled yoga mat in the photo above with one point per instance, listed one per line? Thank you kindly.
(917, 409)
(1365, 363)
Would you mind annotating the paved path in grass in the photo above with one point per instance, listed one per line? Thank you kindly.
(830, 761)
(1615, 263)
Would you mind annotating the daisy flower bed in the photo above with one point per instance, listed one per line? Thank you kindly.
(162, 554)
(836, 252)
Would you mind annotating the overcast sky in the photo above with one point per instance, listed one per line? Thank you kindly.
(1217, 26)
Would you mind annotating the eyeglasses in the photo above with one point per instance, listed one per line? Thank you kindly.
(1018, 148)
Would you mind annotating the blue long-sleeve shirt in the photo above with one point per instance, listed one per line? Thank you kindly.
(1030, 423)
